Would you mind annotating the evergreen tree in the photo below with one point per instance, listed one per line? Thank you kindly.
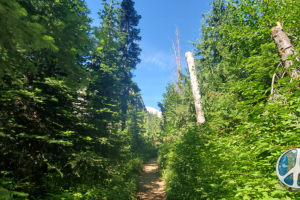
(18, 30)
(129, 20)
(60, 104)
(40, 128)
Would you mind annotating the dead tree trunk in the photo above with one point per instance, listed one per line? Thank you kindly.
(178, 61)
(284, 46)
(179, 56)
(195, 87)
(285, 49)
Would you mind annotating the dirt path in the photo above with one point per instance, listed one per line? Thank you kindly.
(151, 186)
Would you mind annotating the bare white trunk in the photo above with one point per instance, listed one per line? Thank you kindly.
(179, 57)
(178, 61)
(285, 48)
(195, 87)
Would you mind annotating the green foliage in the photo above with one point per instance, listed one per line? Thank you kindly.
(153, 135)
(16, 33)
(63, 85)
(129, 20)
(233, 155)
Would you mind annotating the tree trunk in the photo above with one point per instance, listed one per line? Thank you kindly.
(195, 87)
(178, 61)
(285, 47)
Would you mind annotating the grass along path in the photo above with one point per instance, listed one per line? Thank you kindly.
(151, 186)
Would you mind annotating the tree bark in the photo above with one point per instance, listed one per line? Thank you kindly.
(285, 48)
(195, 87)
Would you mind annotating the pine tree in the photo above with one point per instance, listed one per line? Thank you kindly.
(40, 125)
(129, 20)
(60, 104)
(18, 30)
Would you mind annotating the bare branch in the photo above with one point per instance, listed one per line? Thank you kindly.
(272, 86)
(292, 35)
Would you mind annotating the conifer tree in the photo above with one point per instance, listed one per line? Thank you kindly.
(129, 20)
(60, 104)
(18, 30)
(103, 91)
(40, 126)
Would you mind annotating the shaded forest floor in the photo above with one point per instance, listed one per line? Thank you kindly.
(151, 186)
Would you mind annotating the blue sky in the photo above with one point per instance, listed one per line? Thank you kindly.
(158, 23)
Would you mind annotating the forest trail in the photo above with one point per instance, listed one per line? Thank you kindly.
(151, 186)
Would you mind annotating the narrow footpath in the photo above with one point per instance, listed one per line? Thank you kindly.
(151, 186)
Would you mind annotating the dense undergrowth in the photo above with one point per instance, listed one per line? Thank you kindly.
(234, 153)
(72, 122)
(120, 181)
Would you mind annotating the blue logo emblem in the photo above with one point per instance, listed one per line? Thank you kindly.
(288, 168)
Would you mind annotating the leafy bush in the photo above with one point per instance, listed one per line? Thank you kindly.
(233, 155)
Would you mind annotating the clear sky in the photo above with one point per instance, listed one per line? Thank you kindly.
(159, 19)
